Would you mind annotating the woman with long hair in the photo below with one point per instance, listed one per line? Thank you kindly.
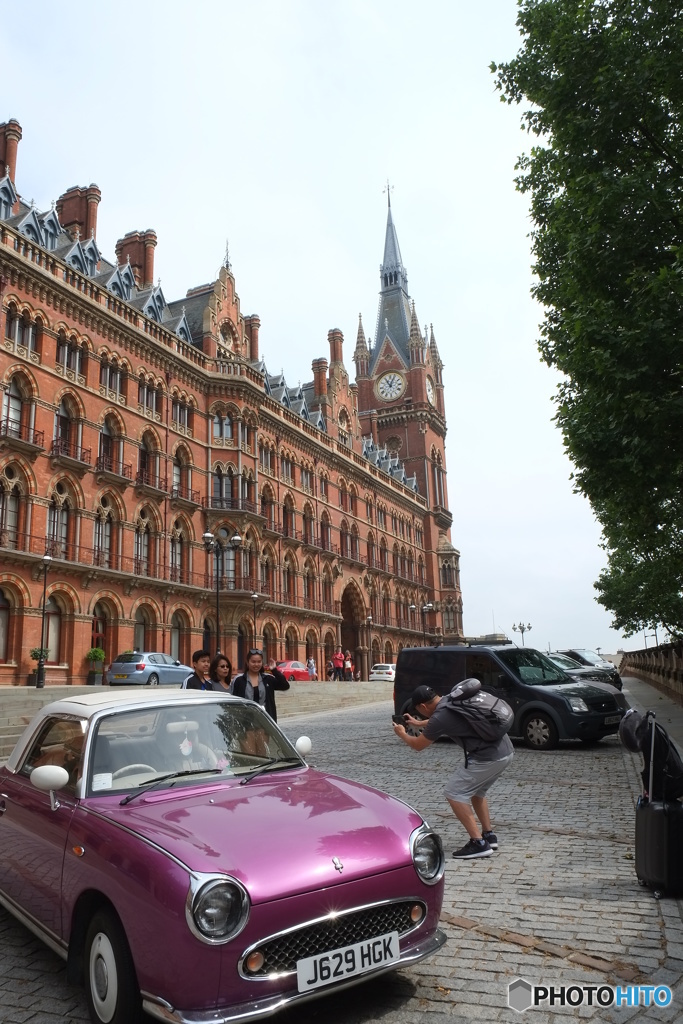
(220, 674)
(258, 683)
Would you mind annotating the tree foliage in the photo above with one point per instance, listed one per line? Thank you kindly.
(603, 84)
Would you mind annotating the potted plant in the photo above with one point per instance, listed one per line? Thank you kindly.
(36, 653)
(95, 659)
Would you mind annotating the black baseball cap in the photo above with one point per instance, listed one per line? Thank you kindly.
(422, 695)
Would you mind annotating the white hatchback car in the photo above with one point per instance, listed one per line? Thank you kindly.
(382, 673)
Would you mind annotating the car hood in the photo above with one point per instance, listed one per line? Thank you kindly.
(576, 689)
(279, 834)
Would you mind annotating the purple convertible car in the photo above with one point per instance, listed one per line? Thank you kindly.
(178, 852)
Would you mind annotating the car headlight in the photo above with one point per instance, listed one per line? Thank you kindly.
(217, 908)
(576, 704)
(427, 853)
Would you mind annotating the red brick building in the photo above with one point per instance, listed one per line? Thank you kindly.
(146, 449)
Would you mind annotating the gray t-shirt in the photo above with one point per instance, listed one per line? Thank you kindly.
(447, 722)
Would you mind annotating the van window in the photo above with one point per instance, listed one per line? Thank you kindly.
(532, 667)
(483, 668)
(437, 668)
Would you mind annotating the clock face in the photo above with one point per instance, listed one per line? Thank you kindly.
(391, 386)
(430, 391)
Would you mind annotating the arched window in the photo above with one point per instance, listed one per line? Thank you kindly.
(222, 427)
(12, 408)
(110, 458)
(98, 636)
(177, 552)
(69, 354)
(64, 427)
(327, 591)
(148, 466)
(53, 631)
(103, 534)
(144, 548)
(178, 634)
(58, 523)
(10, 498)
(4, 625)
(288, 581)
(288, 518)
(142, 634)
(309, 533)
(222, 488)
(291, 645)
(325, 533)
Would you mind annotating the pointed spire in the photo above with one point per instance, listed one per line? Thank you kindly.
(415, 336)
(361, 344)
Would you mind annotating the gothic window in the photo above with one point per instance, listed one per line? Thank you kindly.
(449, 619)
(343, 497)
(309, 537)
(287, 469)
(69, 354)
(371, 551)
(265, 459)
(355, 544)
(383, 555)
(53, 631)
(268, 508)
(180, 413)
(325, 532)
(447, 575)
(352, 501)
(177, 551)
(111, 447)
(4, 625)
(288, 518)
(10, 497)
(65, 427)
(58, 523)
(112, 377)
(288, 581)
(396, 562)
(327, 591)
(12, 410)
(307, 480)
(103, 534)
(148, 465)
(98, 636)
(368, 510)
(144, 547)
(222, 427)
(323, 487)
(148, 396)
(344, 539)
(143, 631)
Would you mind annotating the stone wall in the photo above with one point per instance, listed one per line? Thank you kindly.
(661, 666)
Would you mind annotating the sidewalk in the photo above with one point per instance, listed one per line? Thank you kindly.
(644, 697)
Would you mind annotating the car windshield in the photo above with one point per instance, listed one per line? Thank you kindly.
(590, 656)
(203, 741)
(129, 658)
(532, 667)
(563, 661)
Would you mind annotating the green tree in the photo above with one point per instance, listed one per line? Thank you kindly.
(603, 84)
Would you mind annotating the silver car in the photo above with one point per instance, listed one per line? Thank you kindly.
(146, 668)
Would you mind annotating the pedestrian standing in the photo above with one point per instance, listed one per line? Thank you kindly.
(466, 789)
(338, 662)
(312, 671)
(348, 667)
(258, 683)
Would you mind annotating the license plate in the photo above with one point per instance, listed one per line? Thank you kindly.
(328, 968)
(120, 677)
(613, 720)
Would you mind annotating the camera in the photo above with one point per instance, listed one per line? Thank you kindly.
(399, 719)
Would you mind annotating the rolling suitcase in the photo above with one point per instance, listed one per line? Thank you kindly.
(659, 836)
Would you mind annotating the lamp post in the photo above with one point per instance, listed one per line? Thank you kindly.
(521, 628)
(40, 671)
(424, 609)
(412, 608)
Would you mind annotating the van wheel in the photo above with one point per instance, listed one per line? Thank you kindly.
(408, 710)
(540, 732)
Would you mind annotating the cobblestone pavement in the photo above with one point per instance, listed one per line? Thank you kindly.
(557, 904)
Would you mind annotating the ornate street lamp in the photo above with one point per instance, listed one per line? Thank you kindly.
(211, 548)
(425, 608)
(40, 671)
(521, 628)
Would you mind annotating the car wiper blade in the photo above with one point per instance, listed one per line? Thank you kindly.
(270, 764)
(147, 786)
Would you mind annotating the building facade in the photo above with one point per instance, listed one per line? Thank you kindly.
(158, 486)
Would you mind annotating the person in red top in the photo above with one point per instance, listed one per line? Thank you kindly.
(338, 662)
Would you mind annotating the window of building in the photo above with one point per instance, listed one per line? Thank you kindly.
(323, 487)
(69, 354)
(4, 625)
(307, 480)
(287, 469)
(222, 427)
(53, 631)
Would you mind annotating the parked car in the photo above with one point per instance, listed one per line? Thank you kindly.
(548, 704)
(587, 673)
(382, 673)
(148, 668)
(178, 852)
(593, 660)
(293, 670)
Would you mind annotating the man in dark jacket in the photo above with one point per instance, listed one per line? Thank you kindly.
(199, 680)
(258, 684)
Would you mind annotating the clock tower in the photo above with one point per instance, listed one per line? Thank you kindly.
(401, 407)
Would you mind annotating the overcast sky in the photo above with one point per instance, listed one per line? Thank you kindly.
(274, 125)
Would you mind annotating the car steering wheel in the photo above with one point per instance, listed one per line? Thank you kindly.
(131, 769)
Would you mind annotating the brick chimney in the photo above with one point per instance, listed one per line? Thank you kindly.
(77, 210)
(10, 136)
(252, 324)
(336, 340)
(138, 247)
(320, 378)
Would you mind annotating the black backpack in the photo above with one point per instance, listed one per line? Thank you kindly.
(490, 717)
(635, 732)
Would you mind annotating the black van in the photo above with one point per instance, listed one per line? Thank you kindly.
(549, 706)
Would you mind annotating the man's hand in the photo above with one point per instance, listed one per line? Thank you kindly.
(399, 729)
(417, 723)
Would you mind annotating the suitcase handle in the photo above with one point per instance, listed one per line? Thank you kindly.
(651, 714)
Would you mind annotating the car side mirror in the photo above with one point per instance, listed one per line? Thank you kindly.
(176, 662)
(48, 778)
(303, 746)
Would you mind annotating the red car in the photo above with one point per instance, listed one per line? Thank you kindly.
(293, 670)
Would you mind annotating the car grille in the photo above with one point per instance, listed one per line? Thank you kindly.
(282, 951)
(605, 702)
